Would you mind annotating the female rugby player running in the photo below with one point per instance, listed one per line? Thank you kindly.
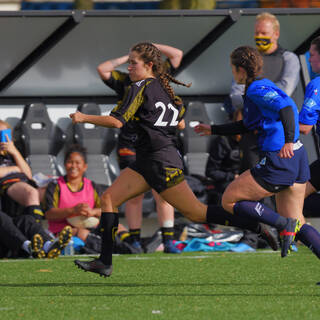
(283, 169)
(155, 111)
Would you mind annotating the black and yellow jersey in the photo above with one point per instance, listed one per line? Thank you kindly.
(153, 116)
(120, 82)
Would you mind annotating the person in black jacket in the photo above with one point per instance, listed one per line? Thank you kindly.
(223, 165)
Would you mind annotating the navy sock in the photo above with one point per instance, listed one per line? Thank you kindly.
(109, 226)
(310, 237)
(259, 212)
(216, 214)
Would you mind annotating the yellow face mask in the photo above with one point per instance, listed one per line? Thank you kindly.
(263, 44)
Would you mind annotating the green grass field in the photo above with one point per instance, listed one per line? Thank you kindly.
(198, 286)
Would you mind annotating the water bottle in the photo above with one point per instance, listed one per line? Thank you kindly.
(69, 249)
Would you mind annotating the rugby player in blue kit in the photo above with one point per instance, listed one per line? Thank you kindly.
(283, 170)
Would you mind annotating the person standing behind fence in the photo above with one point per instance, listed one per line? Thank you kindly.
(119, 82)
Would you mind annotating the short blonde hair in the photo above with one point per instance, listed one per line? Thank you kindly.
(268, 16)
(5, 123)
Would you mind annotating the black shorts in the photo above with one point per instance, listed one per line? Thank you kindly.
(126, 156)
(11, 179)
(162, 169)
(315, 174)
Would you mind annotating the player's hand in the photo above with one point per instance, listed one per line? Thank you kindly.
(81, 209)
(203, 129)
(8, 147)
(287, 150)
(77, 117)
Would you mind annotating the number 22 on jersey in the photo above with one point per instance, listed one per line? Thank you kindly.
(160, 122)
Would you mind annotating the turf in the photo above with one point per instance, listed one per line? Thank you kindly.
(198, 286)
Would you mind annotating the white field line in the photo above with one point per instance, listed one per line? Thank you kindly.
(209, 255)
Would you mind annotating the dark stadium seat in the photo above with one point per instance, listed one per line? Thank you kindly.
(195, 147)
(39, 139)
(99, 143)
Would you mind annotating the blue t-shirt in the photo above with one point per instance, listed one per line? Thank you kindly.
(310, 111)
(262, 103)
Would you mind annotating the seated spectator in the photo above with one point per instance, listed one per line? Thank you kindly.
(72, 195)
(18, 189)
(16, 182)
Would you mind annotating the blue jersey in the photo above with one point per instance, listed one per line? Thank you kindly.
(262, 103)
(310, 111)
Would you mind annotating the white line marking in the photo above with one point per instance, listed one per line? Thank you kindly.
(144, 257)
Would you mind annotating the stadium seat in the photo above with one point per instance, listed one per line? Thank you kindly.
(39, 139)
(195, 147)
(99, 143)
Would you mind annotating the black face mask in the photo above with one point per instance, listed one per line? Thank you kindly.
(263, 44)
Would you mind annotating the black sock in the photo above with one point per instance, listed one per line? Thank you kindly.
(135, 234)
(167, 234)
(257, 211)
(36, 211)
(109, 226)
(216, 214)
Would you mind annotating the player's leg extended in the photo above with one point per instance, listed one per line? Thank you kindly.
(242, 198)
(128, 185)
(184, 200)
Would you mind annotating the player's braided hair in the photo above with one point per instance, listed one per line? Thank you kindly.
(316, 43)
(250, 60)
(150, 53)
